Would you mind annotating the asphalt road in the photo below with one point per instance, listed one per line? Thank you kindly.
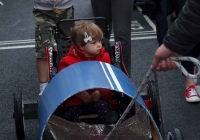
(18, 69)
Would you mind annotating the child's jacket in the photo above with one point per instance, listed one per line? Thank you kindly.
(75, 55)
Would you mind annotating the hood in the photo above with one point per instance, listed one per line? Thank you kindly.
(75, 52)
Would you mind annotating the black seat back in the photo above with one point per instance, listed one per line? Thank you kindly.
(65, 44)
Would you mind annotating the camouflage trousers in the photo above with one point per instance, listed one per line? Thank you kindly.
(45, 21)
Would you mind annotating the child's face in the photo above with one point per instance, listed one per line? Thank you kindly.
(92, 48)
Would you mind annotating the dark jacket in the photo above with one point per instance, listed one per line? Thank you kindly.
(185, 32)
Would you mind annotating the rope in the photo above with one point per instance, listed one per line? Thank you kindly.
(174, 59)
(130, 105)
(183, 70)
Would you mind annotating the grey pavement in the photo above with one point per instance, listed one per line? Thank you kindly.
(18, 70)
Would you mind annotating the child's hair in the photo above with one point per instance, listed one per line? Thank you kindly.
(77, 34)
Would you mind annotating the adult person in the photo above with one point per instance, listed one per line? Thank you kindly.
(182, 38)
(47, 13)
(119, 14)
(159, 11)
(163, 9)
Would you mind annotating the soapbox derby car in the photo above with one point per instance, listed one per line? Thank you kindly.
(139, 115)
(139, 126)
(91, 75)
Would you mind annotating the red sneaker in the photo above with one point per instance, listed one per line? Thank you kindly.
(191, 94)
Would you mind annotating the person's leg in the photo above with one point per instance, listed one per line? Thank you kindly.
(101, 108)
(43, 24)
(73, 113)
(102, 8)
(42, 69)
(122, 15)
(161, 23)
(66, 27)
(190, 92)
(173, 16)
(196, 50)
(196, 54)
(105, 115)
(189, 68)
(177, 6)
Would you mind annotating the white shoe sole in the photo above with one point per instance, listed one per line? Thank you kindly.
(193, 99)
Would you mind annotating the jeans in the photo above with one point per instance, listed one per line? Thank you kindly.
(119, 14)
(99, 107)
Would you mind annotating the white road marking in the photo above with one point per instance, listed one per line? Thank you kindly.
(139, 38)
(20, 44)
(32, 46)
(17, 47)
(1, 3)
(138, 33)
(147, 19)
(17, 41)
(17, 44)
(135, 25)
(143, 33)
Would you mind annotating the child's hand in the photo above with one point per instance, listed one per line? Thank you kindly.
(85, 96)
(96, 95)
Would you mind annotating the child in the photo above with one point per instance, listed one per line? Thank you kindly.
(86, 37)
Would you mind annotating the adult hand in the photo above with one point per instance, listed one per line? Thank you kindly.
(85, 96)
(96, 95)
(162, 61)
